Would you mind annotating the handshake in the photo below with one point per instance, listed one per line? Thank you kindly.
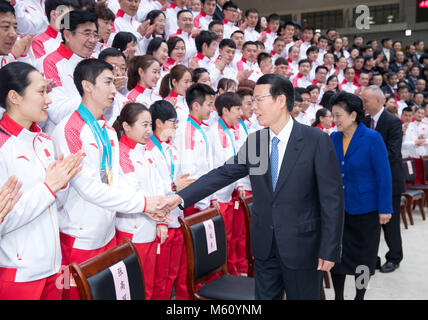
(159, 207)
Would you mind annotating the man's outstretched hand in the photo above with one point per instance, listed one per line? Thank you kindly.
(173, 201)
(157, 208)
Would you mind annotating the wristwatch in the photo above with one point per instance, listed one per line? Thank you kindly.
(174, 187)
(181, 205)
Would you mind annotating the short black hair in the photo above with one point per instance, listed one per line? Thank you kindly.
(279, 86)
(227, 100)
(350, 103)
(6, 7)
(213, 23)
(227, 43)
(305, 61)
(196, 74)
(197, 93)
(76, 18)
(262, 57)
(206, 37)
(321, 67)
(184, 11)
(273, 17)
(89, 70)
(248, 43)
(281, 60)
(230, 4)
(162, 110)
(110, 52)
(51, 5)
(122, 38)
(251, 10)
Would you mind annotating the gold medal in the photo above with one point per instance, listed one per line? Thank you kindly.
(109, 176)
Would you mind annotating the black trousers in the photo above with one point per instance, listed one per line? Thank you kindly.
(272, 278)
(392, 233)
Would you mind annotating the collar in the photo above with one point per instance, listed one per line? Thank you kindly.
(64, 51)
(172, 5)
(128, 141)
(285, 133)
(377, 115)
(272, 53)
(225, 21)
(268, 31)
(225, 123)
(160, 141)
(196, 120)
(200, 56)
(173, 94)
(51, 32)
(12, 127)
(203, 14)
(140, 88)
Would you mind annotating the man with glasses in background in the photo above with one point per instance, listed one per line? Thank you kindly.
(80, 36)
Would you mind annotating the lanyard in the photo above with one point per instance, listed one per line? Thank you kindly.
(225, 128)
(198, 127)
(159, 145)
(100, 135)
(244, 126)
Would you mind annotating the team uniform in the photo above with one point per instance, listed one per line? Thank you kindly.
(88, 217)
(171, 265)
(30, 252)
(143, 95)
(44, 44)
(140, 173)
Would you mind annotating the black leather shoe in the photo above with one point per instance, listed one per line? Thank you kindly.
(389, 267)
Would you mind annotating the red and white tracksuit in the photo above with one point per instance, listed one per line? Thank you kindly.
(171, 264)
(229, 28)
(59, 66)
(143, 95)
(88, 218)
(195, 156)
(222, 149)
(189, 43)
(140, 173)
(43, 45)
(171, 18)
(209, 64)
(349, 87)
(31, 16)
(30, 252)
(301, 81)
(250, 34)
(181, 107)
(202, 21)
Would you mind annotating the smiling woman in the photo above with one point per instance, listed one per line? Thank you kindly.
(30, 231)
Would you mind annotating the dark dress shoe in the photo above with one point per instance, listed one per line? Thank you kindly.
(389, 267)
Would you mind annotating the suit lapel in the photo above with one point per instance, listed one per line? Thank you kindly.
(268, 175)
(355, 140)
(292, 152)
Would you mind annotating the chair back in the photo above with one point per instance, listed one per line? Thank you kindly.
(205, 239)
(112, 275)
(409, 170)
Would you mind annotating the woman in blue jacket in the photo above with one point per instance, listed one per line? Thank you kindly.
(367, 183)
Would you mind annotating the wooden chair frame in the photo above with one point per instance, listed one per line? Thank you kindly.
(247, 215)
(84, 270)
(411, 200)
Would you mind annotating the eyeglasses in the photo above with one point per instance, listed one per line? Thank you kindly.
(89, 34)
(175, 122)
(260, 98)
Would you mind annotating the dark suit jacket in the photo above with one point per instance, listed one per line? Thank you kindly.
(390, 127)
(387, 89)
(305, 213)
(218, 14)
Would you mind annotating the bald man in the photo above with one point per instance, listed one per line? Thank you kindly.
(389, 126)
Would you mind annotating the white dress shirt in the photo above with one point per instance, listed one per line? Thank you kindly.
(377, 116)
(283, 136)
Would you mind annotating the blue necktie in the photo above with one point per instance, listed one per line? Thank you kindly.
(274, 162)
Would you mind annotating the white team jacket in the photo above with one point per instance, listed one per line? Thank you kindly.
(143, 95)
(59, 66)
(29, 235)
(139, 172)
(43, 45)
(89, 214)
(163, 171)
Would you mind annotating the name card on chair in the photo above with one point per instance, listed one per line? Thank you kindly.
(410, 167)
(210, 234)
(121, 283)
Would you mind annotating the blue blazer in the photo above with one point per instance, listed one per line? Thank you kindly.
(366, 174)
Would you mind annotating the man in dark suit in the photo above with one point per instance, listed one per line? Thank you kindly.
(218, 13)
(390, 127)
(298, 207)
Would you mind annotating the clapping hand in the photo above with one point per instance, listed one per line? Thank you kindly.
(9, 196)
(61, 171)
